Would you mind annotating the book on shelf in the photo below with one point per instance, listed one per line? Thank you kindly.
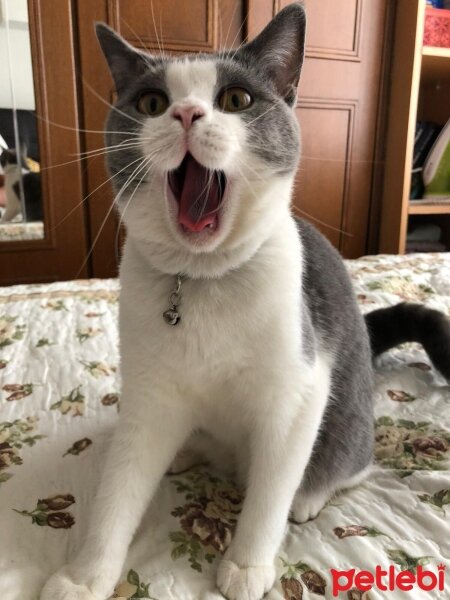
(436, 168)
(430, 176)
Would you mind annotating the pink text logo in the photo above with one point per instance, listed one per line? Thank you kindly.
(389, 579)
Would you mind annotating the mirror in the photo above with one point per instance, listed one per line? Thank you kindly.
(21, 203)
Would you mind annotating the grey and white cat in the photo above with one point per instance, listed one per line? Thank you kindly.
(264, 355)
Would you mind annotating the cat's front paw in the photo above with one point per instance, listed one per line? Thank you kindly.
(244, 583)
(61, 587)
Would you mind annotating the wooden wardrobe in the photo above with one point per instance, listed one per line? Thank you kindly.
(341, 109)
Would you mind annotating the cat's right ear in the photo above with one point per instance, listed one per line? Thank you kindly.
(279, 50)
(125, 62)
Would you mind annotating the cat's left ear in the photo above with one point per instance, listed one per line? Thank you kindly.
(279, 50)
(125, 62)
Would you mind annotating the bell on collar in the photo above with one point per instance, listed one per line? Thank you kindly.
(171, 316)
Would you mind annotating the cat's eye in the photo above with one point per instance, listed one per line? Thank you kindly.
(234, 99)
(153, 103)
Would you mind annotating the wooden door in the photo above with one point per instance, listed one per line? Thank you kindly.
(62, 252)
(194, 26)
(340, 108)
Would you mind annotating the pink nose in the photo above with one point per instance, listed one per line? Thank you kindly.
(187, 115)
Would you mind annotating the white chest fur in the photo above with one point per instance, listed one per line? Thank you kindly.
(235, 330)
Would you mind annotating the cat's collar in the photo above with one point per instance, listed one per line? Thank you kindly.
(171, 315)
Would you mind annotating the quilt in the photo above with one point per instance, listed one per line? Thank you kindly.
(59, 400)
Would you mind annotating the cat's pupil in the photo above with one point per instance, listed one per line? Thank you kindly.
(235, 100)
(153, 105)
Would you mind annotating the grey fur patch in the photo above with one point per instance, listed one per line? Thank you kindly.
(278, 51)
(125, 117)
(273, 132)
(345, 442)
(125, 62)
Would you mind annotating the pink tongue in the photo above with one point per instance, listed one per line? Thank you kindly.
(200, 197)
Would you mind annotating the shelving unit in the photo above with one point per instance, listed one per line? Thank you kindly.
(426, 208)
(420, 90)
(435, 64)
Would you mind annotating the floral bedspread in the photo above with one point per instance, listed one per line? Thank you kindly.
(59, 399)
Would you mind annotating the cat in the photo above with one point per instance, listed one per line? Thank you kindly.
(238, 324)
(31, 189)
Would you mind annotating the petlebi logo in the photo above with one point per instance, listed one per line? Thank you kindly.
(388, 579)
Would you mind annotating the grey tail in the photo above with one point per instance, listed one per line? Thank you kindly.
(407, 322)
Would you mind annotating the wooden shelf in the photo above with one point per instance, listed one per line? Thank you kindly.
(436, 51)
(420, 89)
(435, 64)
(418, 207)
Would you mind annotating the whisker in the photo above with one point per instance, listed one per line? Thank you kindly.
(162, 35)
(95, 241)
(225, 43)
(113, 203)
(271, 107)
(221, 30)
(136, 35)
(309, 215)
(93, 191)
(244, 23)
(78, 129)
(124, 144)
(341, 160)
(96, 155)
(122, 214)
(206, 189)
(111, 106)
(156, 31)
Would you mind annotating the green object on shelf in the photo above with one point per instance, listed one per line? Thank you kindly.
(436, 172)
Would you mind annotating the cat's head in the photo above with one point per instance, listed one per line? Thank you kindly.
(203, 149)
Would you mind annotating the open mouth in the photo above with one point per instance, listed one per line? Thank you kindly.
(199, 193)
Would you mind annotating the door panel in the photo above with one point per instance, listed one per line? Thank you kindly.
(342, 75)
(196, 29)
(333, 27)
(340, 109)
(322, 189)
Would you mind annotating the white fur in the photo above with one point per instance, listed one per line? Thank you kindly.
(307, 506)
(233, 367)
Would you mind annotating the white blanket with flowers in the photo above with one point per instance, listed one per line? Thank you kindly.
(59, 399)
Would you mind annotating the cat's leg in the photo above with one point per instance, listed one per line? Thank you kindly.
(142, 448)
(308, 503)
(281, 441)
(201, 449)
(343, 451)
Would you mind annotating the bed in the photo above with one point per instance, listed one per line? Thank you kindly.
(60, 396)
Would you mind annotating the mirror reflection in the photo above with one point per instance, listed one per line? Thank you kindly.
(21, 206)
